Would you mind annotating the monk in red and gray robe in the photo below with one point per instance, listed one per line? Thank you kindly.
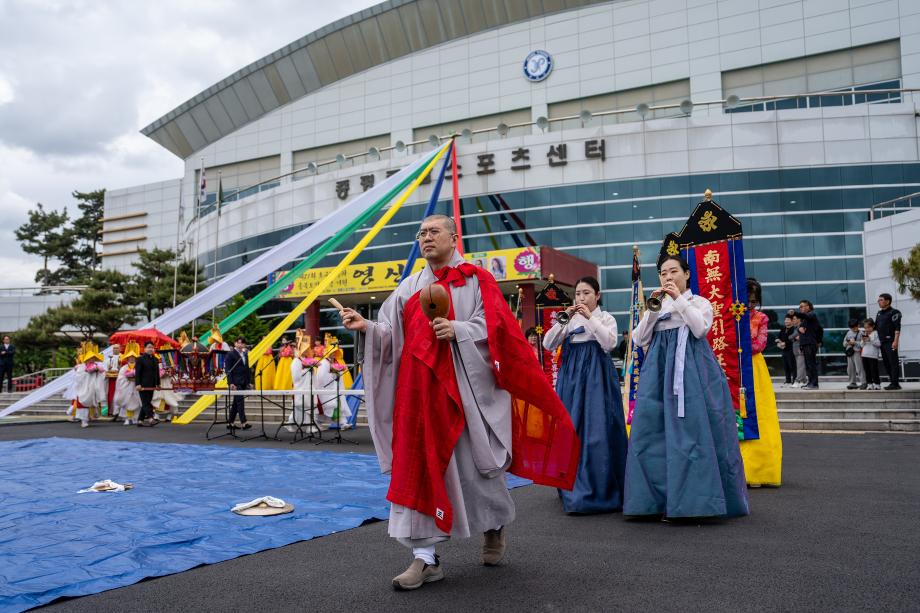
(453, 404)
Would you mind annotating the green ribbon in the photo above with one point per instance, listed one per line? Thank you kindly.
(331, 243)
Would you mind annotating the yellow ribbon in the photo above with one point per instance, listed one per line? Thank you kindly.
(205, 401)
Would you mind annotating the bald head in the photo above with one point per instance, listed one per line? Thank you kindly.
(446, 222)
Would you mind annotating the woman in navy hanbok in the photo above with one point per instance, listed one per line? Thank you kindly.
(590, 390)
(684, 459)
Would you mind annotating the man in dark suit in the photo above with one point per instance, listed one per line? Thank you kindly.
(7, 355)
(236, 367)
(888, 325)
(146, 378)
(811, 334)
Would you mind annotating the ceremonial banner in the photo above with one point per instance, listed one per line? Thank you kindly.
(635, 355)
(711, 242)
(550, 301)
(504, 264)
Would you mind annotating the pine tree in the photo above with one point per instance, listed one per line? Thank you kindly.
(253, 329)
(47, 235)
(79, 262)
(906, 273)
(104, 307)
(152, 285)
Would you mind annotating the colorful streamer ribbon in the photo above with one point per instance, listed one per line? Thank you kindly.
(205, 401)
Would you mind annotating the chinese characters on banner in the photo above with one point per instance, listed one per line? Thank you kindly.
(552, 360)
(636, 354)
(713, 273)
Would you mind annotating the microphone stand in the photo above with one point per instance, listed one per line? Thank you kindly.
(227, 402)
(313, 430)
(262, 399)
(338, 438)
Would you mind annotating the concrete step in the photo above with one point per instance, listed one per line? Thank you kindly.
(859, 425)
(849, 405)
(882, 414)
(860, 395)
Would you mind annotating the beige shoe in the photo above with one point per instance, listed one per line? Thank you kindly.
(418, 574)
(493, 547)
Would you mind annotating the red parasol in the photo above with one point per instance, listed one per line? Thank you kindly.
(142, 336)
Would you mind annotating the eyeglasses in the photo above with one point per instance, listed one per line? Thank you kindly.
(433, 232)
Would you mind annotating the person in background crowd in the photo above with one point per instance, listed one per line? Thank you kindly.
(852, 347)
(147, 379)
(90, 388)
(785, 344)
(239, 377)
(888, 326)
(533, 339)
(283, 379)
(871, 353)
(112, 366)
(127, 401)
(7, 356)
(801, 379)
(165, 400)
(623, 346)
(811, 336)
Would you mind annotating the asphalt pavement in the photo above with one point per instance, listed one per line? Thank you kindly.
(842, 534)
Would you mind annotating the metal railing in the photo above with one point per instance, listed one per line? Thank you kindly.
(41, 289)
(895, 206)
(685, 107)
(34, 380)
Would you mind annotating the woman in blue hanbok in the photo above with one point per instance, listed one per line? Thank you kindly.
(590, 390)
(684, 459)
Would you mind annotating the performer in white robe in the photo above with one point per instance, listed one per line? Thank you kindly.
(113, 363)
(127, 400)
(165, 399)
(325, 388)
(475, 476)
(90, 387)
(70, 393)
(302, 363)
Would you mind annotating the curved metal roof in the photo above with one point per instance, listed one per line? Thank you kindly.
(384, 32)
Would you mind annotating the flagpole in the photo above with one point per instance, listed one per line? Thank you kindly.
(220, 199)
(202, 185)
(178, 232)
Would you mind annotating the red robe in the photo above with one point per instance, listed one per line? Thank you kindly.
(428, 416)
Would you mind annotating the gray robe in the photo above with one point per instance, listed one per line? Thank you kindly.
(475, 476)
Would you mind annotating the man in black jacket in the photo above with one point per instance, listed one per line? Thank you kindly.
(888, 325)
(7, 355)
(146, 378)
(810, 336)
(236, 367)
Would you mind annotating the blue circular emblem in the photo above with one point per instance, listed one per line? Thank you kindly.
(538, 65)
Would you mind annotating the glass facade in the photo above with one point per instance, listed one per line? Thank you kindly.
(802, 227)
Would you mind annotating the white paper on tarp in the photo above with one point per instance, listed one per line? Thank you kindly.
(104, 486)
(248, 274)
(271, 501)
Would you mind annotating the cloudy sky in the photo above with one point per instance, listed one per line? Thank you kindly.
(80, 78)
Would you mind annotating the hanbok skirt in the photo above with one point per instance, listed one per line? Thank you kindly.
(684, 466)
(283, 379)
(265, 373)
(763, 457)
(589, 388)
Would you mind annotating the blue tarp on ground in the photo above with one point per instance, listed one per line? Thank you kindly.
(55, 542)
